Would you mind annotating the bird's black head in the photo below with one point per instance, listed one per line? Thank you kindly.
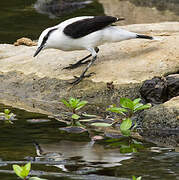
(43, 40)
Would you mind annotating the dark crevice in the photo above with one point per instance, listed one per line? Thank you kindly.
(160, 89)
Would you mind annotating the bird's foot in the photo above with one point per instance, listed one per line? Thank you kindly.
(79, 63)
(79, 79)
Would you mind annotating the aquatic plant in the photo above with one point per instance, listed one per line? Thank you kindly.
(23, 172)
(8, 116)
(127, 109)
(74, 105)
(136, 178)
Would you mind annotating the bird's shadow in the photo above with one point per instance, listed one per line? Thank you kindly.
(120, 55)
(128, 54)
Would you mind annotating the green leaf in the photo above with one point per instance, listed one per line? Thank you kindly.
(126, 132)
(136, 101)
(134, 150)
(81, 104)
(138, 178)
(17, 169)
(101, 124)
(89, 115)
(117, 110)
(126, 124)
(6, 111)
(75, 116)
(25, 170)
(146, 106)
(7, 117)
(125, 127)
(78, 124)
(65, 103)
(126, 103)
(73, 102)
(138, 105)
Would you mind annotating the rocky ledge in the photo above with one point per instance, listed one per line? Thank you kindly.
(38, 84)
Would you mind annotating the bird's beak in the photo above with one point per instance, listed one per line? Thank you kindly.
(38, 50)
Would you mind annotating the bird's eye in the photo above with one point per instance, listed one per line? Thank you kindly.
(45, 38)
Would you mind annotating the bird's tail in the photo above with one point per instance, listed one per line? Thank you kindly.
(147, 37)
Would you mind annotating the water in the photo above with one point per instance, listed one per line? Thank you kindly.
(81, 159)
(74, 156)
(20, 18)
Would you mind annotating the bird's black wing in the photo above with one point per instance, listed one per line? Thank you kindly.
(86, 26)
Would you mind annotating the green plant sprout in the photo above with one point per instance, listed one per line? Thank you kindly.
(23, 172)
(7, 116)
(136, 178)
(74, 105)
(127, 109)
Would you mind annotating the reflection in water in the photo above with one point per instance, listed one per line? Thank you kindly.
(89, 154)
(142, 11)
(64, 155)
(55, 8)
(48, 156)
(20, 19)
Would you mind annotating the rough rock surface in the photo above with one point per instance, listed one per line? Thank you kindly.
(161, 123)
(38, 84)
(160, 89)
(25, 41)
(130, 61)
(163, 116)
(142, 11)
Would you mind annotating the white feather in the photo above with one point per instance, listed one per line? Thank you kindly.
(59, 40)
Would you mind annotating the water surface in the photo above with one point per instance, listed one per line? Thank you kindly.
(30, 17)
(21, 19)
(74, 156)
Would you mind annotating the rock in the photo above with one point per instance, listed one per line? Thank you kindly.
(38, 84)
(154, 90)
(172, 85)
(25, 41)
(160, 89)
(139, 12)
(127, 62)
(161, 123)
(162, 117)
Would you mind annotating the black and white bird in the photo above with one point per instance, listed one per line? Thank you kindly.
(85, 32)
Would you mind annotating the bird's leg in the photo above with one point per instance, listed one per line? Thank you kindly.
(77, 64)
(80, 62)
(78, 79)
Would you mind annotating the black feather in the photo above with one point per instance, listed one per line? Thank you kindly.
(144, 37)
(47, 35)
(86, 26)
